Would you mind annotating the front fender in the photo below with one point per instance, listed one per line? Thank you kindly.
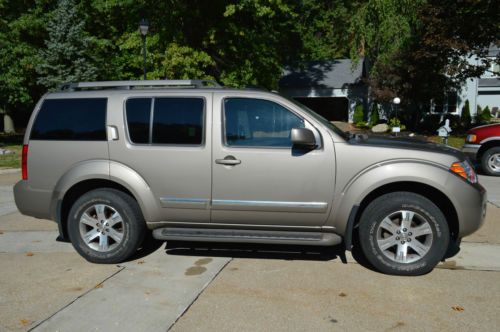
(380, 174)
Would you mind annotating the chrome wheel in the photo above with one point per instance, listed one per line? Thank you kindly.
(101, 227)
(404, 236)
(494, 162)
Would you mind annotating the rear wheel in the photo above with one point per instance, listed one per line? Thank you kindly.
(490, 161)
(106, 226)
(403, 233)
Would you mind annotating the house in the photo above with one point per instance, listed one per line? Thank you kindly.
(330, 88)
(483, 91)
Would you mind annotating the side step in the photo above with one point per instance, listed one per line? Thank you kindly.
(246, 236)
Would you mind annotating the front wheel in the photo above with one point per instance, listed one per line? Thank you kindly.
(490, 161)
(403, 233)
(106, 226)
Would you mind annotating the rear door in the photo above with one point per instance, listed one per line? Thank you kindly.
(258, 177)
(165, 142)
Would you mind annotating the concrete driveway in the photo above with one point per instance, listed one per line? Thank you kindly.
(46, 286)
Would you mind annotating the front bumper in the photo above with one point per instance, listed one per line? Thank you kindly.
(470, 150)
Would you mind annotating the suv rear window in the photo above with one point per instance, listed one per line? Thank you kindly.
(78, 119)
(174, 120)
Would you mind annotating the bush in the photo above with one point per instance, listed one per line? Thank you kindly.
(359, 113)
(429, 124)
(374, 116)
(395, 122)
(485, 116)
(465, 118)
(455, 122)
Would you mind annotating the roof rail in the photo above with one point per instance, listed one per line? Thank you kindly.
(142, 84)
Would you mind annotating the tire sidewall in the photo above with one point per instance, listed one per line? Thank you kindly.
(384, 206)
(484, 161)
(124, 248)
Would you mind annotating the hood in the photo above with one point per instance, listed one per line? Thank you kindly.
(406, 144)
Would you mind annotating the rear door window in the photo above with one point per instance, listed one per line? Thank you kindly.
(76, 119)
(178, 121)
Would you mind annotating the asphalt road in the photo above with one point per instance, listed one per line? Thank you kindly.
(46, 286)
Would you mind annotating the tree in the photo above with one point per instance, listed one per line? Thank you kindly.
(358, 115)
(67, 56)
(420, 49)
(485, 116)
(374, 116)
(465, 118)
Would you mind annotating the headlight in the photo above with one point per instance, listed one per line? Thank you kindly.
(465, 170)
(470, 138)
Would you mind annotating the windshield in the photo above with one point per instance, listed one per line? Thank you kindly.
(321, 119)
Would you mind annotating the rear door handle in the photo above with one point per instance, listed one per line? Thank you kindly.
(228, 160)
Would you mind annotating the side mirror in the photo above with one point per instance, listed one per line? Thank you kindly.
(303, 137)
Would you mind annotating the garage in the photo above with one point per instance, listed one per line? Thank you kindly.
(331, 108)
(330, 88)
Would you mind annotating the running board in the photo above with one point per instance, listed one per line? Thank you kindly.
(246, 236)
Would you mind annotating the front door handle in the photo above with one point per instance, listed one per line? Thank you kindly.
(228, 160)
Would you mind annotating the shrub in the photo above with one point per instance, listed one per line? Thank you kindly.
(485, 116)
(429, 124)
(358, 116)
(455, 122)
(465, 118)
(395, 122)
(374, 116)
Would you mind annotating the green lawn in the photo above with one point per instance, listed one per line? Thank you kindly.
(11, 160)
(12, 143)
(454, 141)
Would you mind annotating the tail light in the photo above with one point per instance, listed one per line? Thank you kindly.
(24, 162)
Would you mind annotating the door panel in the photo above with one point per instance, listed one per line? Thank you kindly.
(174, 155)
(273, 183)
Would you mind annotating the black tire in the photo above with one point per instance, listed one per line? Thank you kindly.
(487, 165)
(129, 224)
(381, 246)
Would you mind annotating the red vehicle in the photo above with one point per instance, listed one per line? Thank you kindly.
(483, 145)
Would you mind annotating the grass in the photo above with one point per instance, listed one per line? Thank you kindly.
(454, 141)
(14, 144)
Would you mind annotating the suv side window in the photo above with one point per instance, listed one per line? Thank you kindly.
(258, 123)
(178, 121)
(174, 120)
(76, 119)
(138, 118)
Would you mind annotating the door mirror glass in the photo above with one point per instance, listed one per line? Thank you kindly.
(303, 137)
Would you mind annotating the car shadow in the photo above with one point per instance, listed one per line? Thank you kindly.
(255, 251)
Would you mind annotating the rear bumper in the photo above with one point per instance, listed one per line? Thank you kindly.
(31, 202)
(470, 150)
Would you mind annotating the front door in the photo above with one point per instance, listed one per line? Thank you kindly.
(258, 177)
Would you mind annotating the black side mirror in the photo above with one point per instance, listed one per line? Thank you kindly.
(303, 137)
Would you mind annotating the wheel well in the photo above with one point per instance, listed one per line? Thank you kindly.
(76, 192)
(484, 147)
(433, 194)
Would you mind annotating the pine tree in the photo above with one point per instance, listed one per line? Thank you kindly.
(67, 57)
(374, 116)
(486, 115)
(465, 117)
(358, 114)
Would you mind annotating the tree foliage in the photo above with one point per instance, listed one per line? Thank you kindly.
(67, 54)
(415, 49)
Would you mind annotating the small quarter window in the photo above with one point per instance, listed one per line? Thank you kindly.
(138, 118)
(257, 122)
(78, 119)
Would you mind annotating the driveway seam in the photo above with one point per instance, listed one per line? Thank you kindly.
(77, 298)
(199, 294)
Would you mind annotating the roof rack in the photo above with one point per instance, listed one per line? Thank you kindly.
(138, 84)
